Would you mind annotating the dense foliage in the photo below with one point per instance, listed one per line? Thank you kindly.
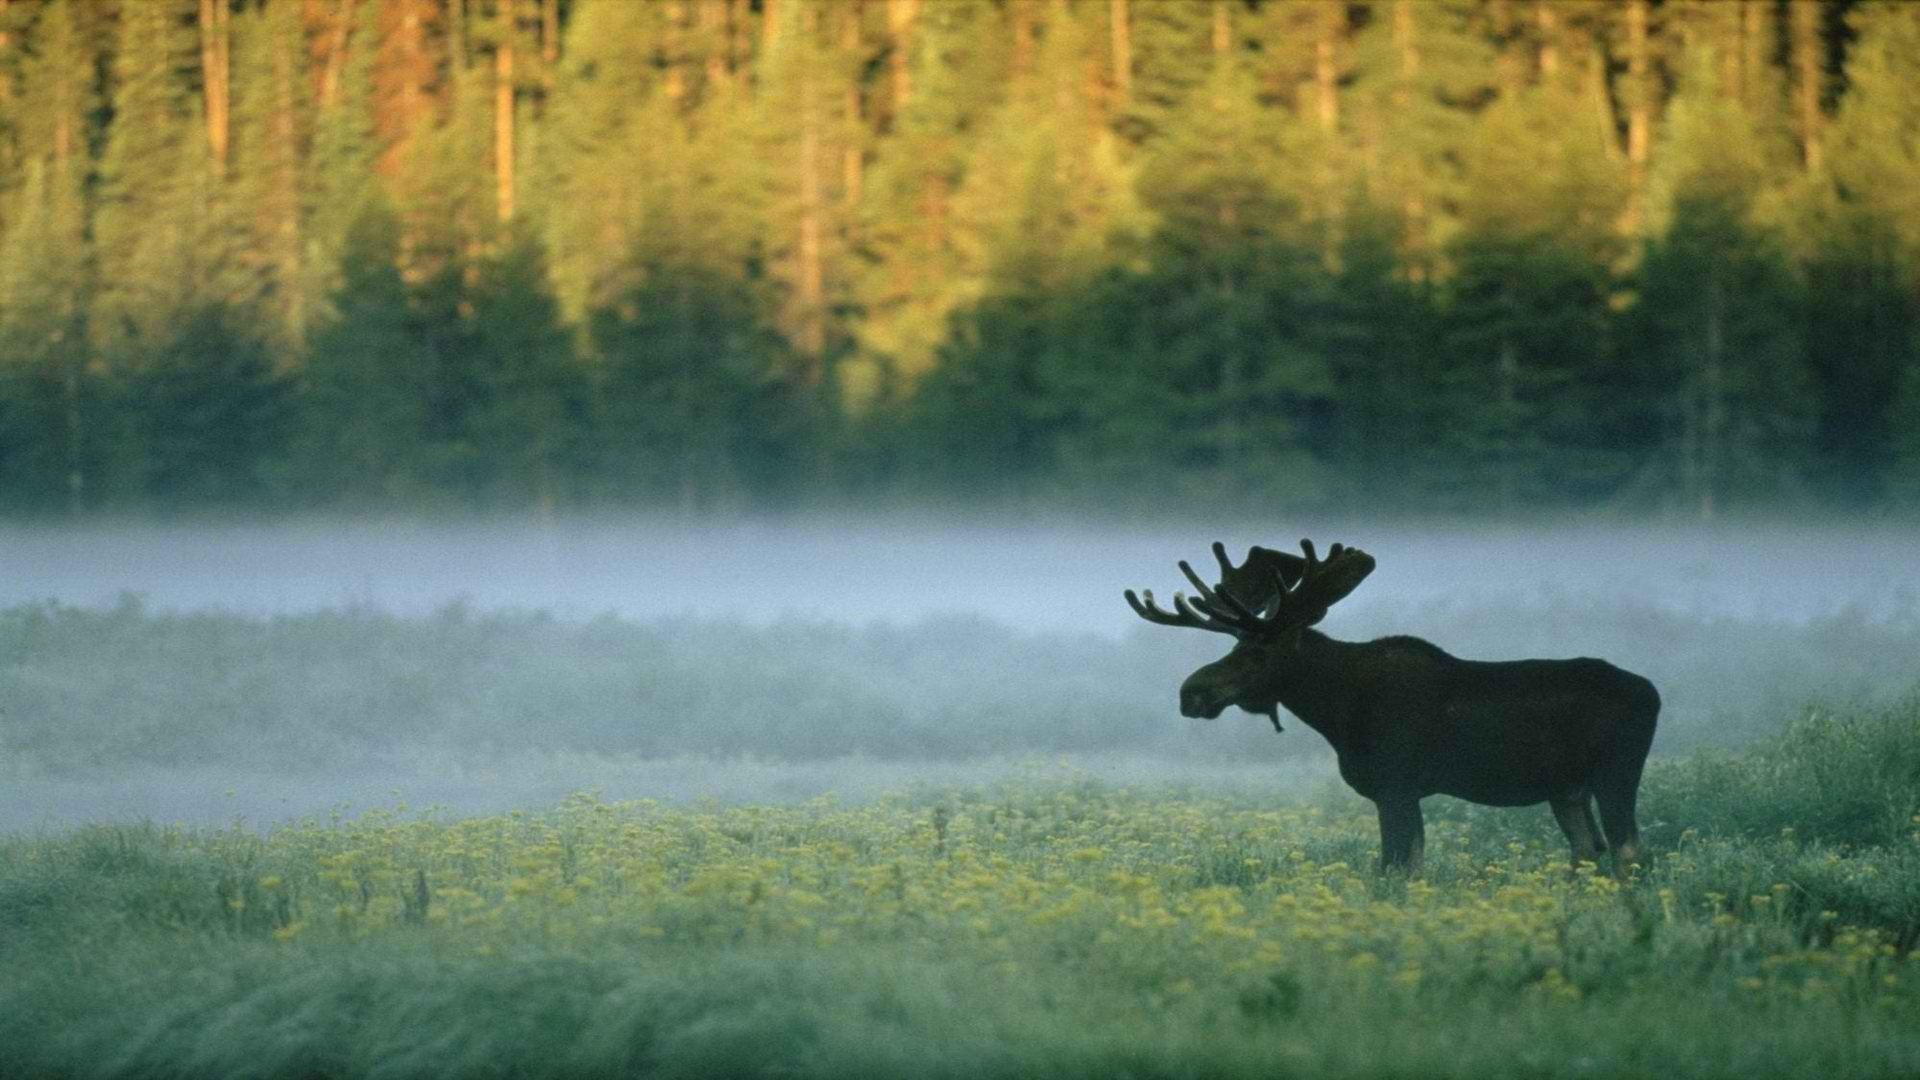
(1017, 930)
(1648, 256)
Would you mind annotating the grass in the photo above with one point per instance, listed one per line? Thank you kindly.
(1059, 929)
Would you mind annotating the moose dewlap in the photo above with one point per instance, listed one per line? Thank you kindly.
(1407, 719)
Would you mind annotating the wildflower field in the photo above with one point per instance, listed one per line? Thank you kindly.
(1055, 927)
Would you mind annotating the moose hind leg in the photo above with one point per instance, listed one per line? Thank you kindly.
(1616, 788)
(1617, 803)
(1575, 816)
(1593, 827)
(1403, 836)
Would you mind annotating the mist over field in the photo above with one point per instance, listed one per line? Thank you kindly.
(206, 673)
(1053, 575)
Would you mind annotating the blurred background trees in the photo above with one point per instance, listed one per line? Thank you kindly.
(534, 256)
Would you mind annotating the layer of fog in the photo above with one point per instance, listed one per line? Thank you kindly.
(1453, 585)
(1052, 576)
(206, 797)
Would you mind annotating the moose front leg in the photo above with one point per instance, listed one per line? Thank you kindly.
(1403, 835)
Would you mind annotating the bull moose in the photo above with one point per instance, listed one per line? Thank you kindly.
(1407, 719)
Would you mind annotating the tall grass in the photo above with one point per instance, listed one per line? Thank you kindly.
(1065, 928)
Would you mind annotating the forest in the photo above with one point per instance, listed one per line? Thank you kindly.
(1643, 258)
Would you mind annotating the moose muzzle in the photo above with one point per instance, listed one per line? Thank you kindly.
(1200, 703)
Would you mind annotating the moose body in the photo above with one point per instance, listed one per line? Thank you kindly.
(1407, 720)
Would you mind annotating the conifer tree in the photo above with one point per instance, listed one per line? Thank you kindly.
(271, 120)
(155, 222)
(920, 264)
(526, 413)
(340, 184)
(361, 438)
(1228, 353)
(1717, 308)
(49, 411)
(1420, 65)
(1865, 271)
(1530, 375)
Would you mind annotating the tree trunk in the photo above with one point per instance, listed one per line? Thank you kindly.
(404, 73)
(673, 46)
(503, 114)
(811, 285)
(1713, 394)
(215, 65)
(1506, 490)
(853, 161)
(1122, 40)
(287, 185)
(1326, 81)
(900, 16)
(1222, 28)
(1414, 201)
(550, 42)
(457, 34)
(6, 43)
(1755, 43)
(1549, 22)
(1020, 12)
(716, 40)
(1809, 79)
(76, 441)
(1639, 113)
(769, 25)
(334, 59)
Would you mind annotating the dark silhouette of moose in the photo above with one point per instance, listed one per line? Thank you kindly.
(1407, 719)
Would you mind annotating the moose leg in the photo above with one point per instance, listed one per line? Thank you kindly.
(1617, 802)
(1576, 820)
(1403, 835)
(1616, 787)
(1593, 827)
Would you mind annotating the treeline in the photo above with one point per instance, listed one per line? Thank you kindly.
(1444, 256)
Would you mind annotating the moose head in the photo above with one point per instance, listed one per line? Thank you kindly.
(1264, 604)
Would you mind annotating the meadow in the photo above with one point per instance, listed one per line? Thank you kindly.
(1210, 910)
(1053, 927)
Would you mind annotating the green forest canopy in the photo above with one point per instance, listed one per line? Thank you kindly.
(1445, 256)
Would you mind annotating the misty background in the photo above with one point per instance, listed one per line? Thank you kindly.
(271, 671)
(470, 401)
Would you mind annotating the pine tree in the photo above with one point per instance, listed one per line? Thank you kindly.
(626, 165)
(917, 269)
(340, 184)
(1047, 205)
(47, 399)
(271, 118)
(1227, 348)
(799, 105)
(49, 409)
(209, 417)
(1718, 307)
(362, 432)
(688, 367)
(1865, 271)
(527, 412)
(156, 222)
(1530, 383)
(1420, 67)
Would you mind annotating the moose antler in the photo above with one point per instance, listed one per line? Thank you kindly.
(1280, 605)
